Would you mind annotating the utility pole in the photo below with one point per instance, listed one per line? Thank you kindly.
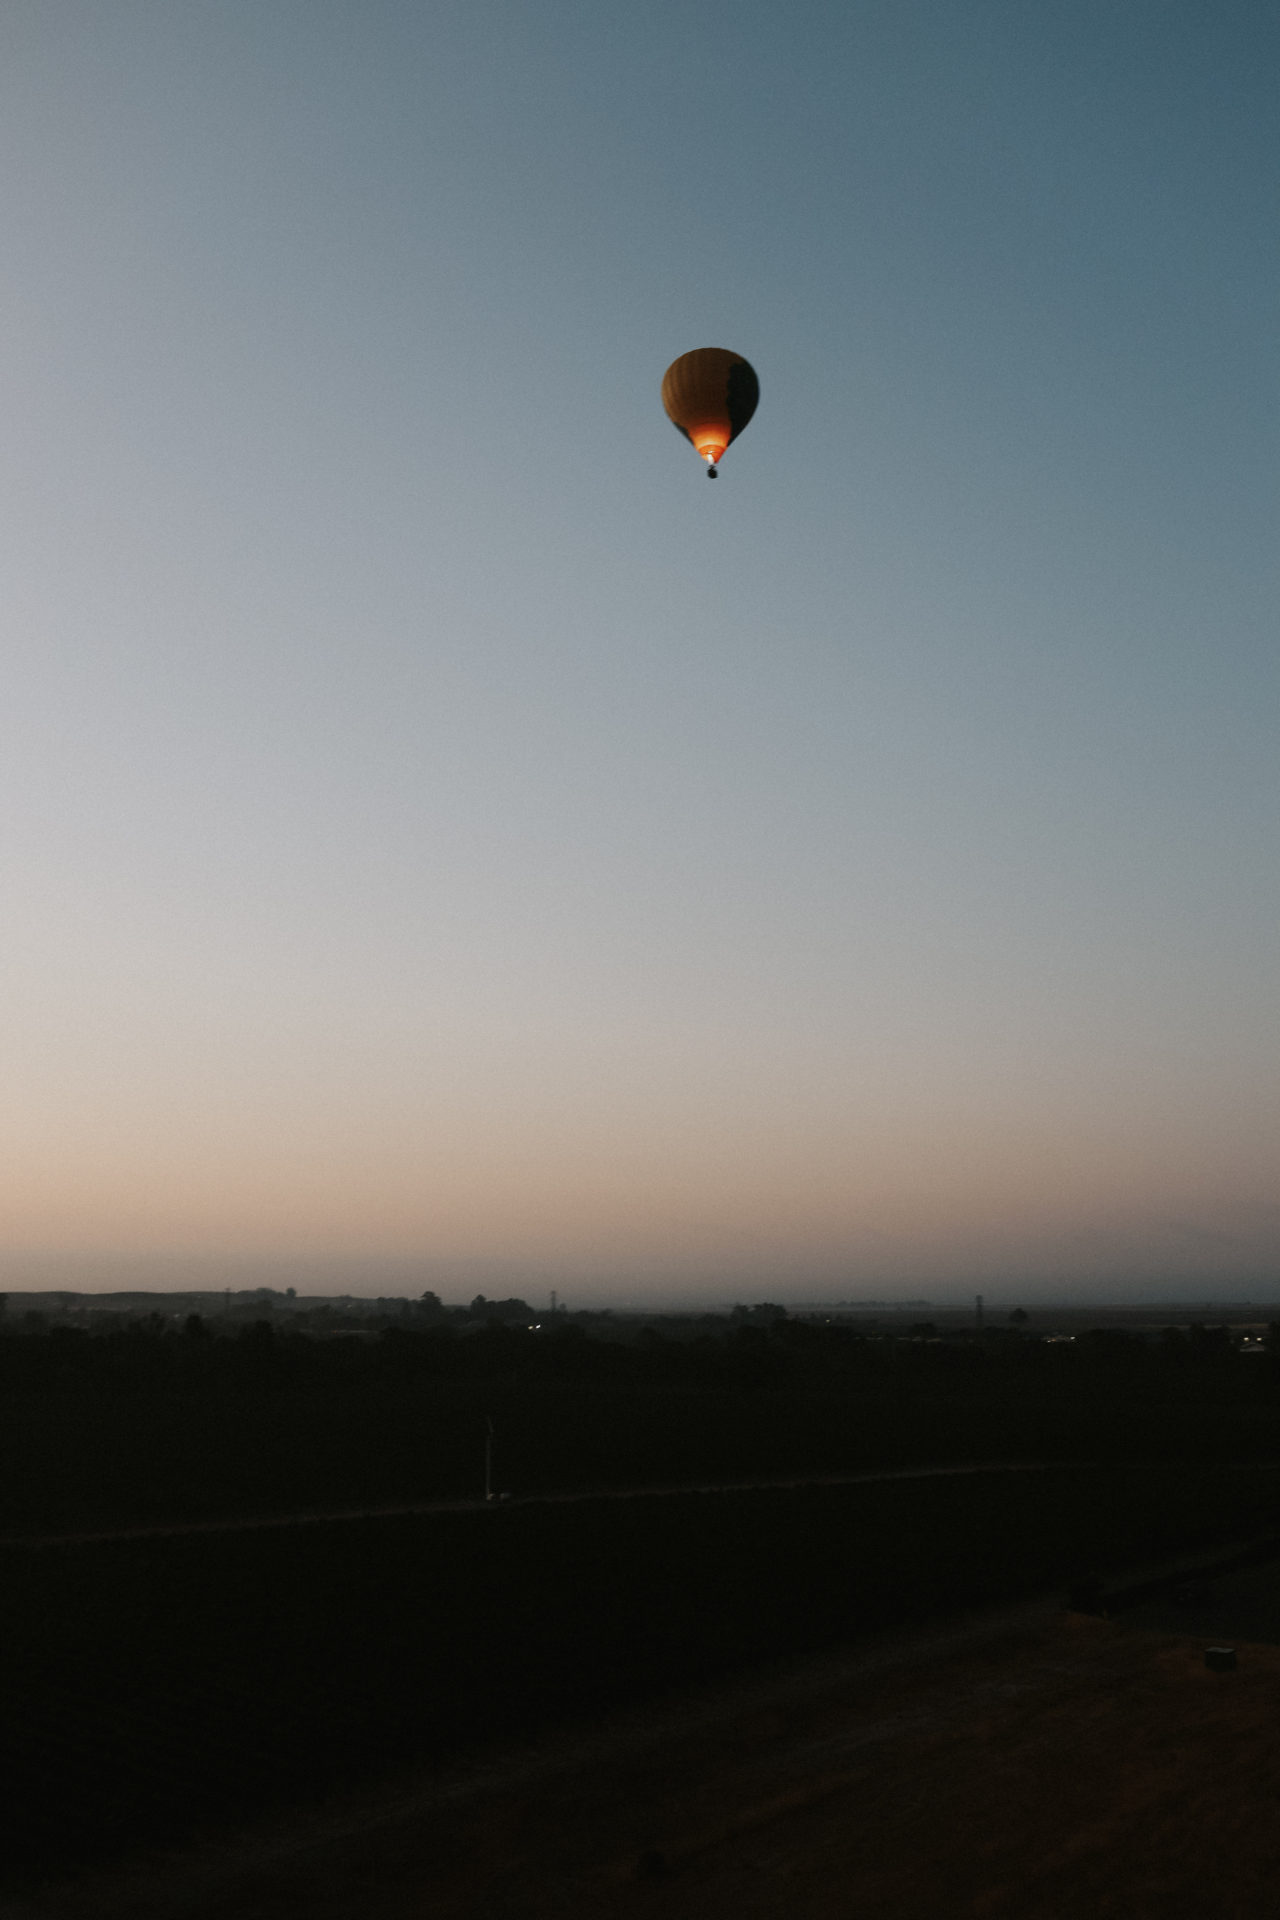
(488, 1458)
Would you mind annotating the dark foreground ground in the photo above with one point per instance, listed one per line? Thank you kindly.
(1026, 1762)
(421, 1704)
(162, 1689)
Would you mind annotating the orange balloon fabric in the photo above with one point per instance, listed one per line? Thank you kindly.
(710, 394)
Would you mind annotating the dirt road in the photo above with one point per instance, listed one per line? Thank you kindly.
(319, 1516)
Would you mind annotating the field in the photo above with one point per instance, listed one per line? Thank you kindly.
(164, 1687)
(173, 1675)
(1024, 1763)
(152, 1423)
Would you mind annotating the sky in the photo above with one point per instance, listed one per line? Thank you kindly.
(445, 843)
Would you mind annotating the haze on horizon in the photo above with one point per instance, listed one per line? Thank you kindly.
(446, 841)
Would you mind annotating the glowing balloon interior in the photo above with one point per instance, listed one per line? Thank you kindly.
(710, 395)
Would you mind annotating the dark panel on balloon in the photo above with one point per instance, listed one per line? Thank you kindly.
(743, 394)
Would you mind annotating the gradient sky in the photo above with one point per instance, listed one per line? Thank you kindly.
(446, 843)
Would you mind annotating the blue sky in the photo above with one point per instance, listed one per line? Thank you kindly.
(443, 837)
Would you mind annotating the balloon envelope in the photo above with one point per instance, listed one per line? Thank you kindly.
(710, 394)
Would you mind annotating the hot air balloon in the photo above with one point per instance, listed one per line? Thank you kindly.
(710, 394)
